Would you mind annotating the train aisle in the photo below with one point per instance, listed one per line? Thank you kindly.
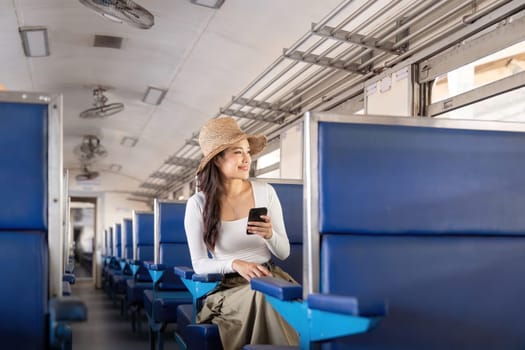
(105, 328)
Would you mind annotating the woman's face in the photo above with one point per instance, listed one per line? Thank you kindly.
(235, 161)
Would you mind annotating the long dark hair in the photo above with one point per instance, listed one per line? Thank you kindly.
(211, 184)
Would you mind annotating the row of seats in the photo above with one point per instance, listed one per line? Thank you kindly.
(34, 314)
(404, 218)
(160, 245)
(425, 214)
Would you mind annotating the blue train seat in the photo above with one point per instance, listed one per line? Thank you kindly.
(434, 212)
(125, 262)
(110, 261)
(33, 315)
(171, 249)
(190, 335)
(142, 241)
(119, 274)
(113, 268)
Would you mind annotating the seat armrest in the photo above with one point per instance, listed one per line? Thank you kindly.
(347, 305)
(207, 277)
(183, 272)
(155, 271)
(188, 273)
(67, 309)
(277, 288)
(68, 277)
(155, 267)
(66, 288)
(61, 312)
(70, 267)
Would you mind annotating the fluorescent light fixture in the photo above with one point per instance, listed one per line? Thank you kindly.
(154, 96)
(129, 141)
(34, 41)
(214, 4)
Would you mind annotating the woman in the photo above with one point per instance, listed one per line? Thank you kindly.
(216, 225)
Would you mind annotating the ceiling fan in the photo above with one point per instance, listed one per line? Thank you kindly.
(101, 109)
(122, 11)
(86, 174)
(90, 149)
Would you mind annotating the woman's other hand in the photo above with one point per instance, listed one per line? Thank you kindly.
(249, 270)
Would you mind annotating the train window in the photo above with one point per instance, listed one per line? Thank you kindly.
(268, 165)
(507, 107)
(490, 88)
(502, 64)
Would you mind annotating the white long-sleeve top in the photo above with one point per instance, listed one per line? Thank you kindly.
(232, 241)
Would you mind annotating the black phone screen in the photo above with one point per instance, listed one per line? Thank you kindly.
(255, 215)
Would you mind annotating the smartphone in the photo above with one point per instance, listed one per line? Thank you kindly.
(255, 215)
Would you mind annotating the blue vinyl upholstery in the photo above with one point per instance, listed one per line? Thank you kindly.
(169, 292)
(27, 316)
(291, 198)
(23, 139)
(110, 241)
(172, 237)
(458, 181)
(106, 242)
(144, 222)
(23, 226)
(117, 236)
(23, 292)
(431, 220)
(127, 230)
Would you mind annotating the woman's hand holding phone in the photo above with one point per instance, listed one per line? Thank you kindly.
(259, 223)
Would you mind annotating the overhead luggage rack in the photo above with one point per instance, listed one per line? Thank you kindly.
(330, 64)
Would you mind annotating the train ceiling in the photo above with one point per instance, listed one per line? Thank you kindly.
(264, 62)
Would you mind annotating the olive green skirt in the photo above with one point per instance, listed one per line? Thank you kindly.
(243, 315)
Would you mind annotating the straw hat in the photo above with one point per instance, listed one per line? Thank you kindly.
(220, 133)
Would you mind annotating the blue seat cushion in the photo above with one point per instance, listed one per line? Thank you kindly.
(162, 306)
(24, 290)
(171, 216)
(144, 224)
(184, 315)
(457, 181)
(23, 139)
(135, 291)
(201, 336)
(447, 292)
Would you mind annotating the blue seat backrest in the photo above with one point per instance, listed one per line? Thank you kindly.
(431, 220)
(127, 232)
(144, 225)
(24, 166)
(23, 225)
(173, 246)
(110, 241)
(106, 242)
(291, 198)
(118, 240)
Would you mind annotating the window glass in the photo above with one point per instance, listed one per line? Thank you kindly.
(486, 70)
(268, 160)
(508, 107)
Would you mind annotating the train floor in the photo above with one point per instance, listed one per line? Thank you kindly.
(106, 329)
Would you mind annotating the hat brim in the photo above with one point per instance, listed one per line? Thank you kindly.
(257, 144)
